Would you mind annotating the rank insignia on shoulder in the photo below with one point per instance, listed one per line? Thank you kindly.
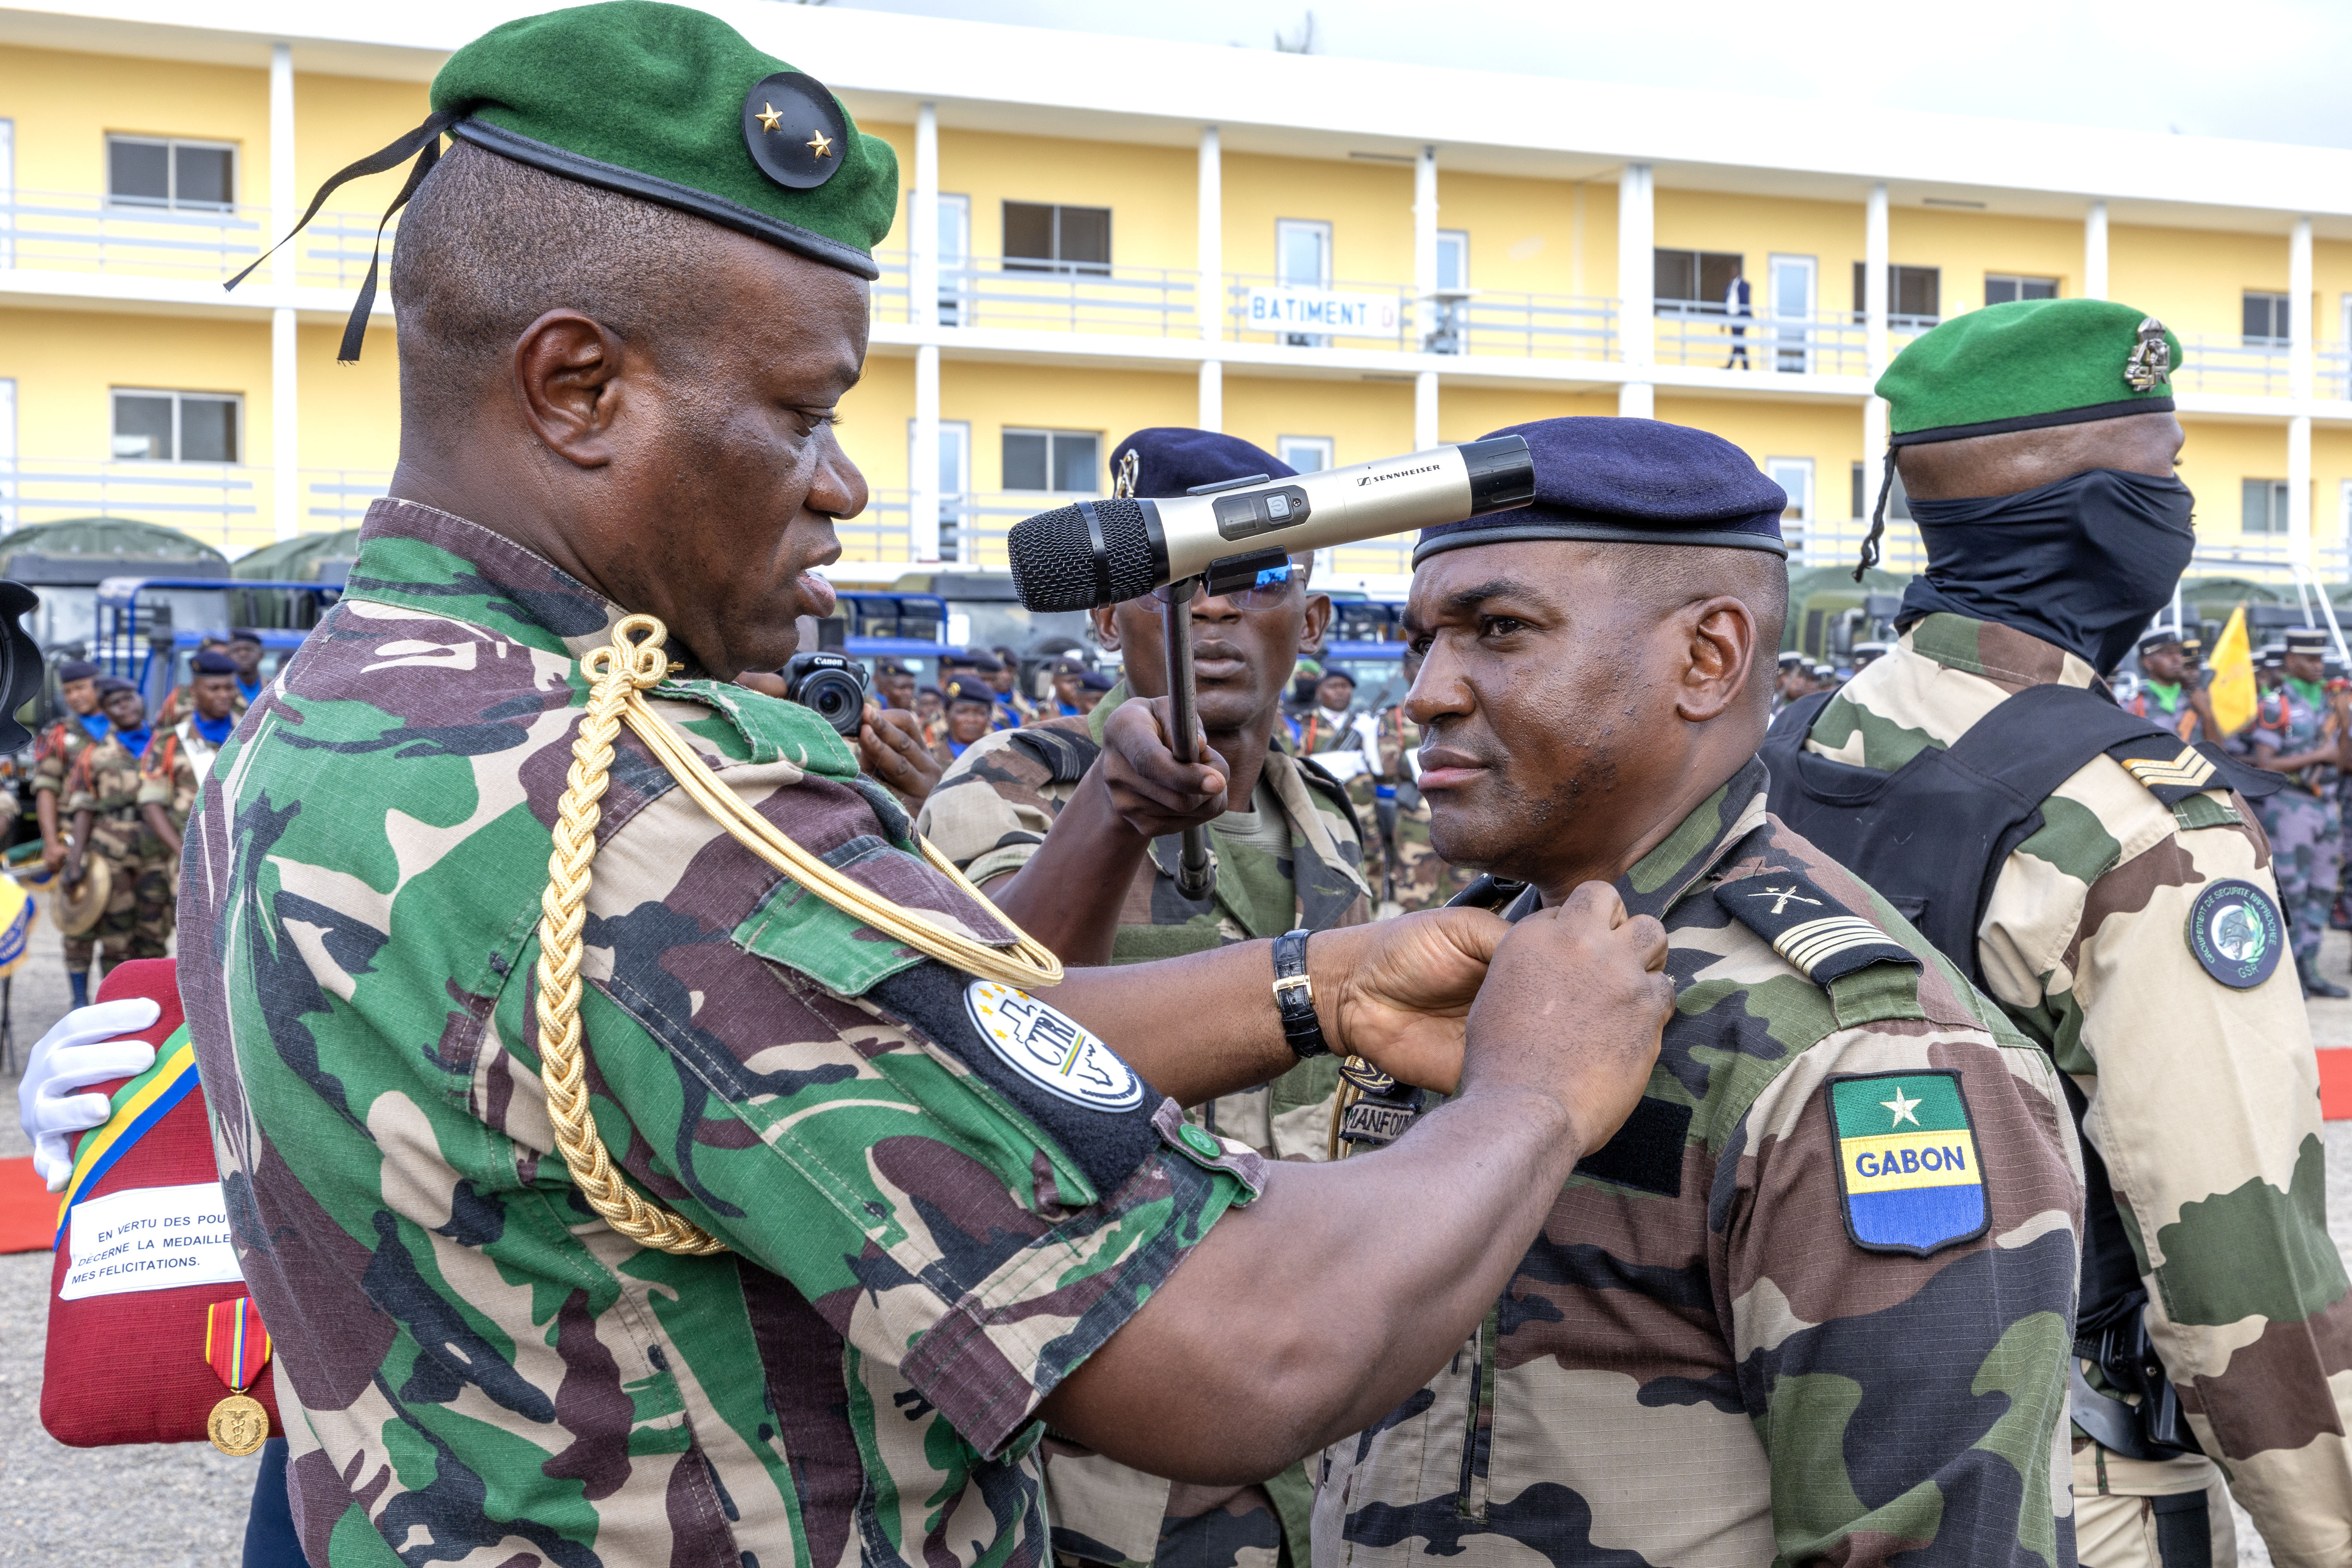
(2171, 770)
(1908, 1171)
(2236, 932)
(1821, 937)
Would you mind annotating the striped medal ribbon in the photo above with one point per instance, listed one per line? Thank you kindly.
(237, 1347)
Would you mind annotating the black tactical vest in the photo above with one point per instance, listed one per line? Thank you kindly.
(1931, 837)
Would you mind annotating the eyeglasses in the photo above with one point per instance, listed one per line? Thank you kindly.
(1272, 587)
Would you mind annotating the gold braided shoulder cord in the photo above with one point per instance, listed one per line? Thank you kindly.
(634, 662)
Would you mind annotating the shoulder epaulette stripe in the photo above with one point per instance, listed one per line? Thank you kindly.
(2189, 770)
(1808, 944)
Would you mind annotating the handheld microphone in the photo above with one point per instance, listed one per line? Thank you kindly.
(1102, 552)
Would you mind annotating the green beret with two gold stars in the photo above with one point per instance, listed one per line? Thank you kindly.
(2029, 365)
(672, 105)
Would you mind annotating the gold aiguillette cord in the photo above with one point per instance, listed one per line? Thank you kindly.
(635, 661)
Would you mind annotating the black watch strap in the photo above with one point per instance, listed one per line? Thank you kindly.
(1294, 997)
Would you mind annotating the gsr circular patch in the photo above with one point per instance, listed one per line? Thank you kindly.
(2237, 934)
(1052, 1049)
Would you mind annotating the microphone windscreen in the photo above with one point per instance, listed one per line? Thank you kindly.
(1054, 563)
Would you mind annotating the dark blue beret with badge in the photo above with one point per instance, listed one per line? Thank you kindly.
(1629, 481)
(212, 661)
(1167, 460)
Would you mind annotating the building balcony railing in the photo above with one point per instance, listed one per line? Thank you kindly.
(2242, 366)
(225, 505)
(58, 231)
(1046, 297)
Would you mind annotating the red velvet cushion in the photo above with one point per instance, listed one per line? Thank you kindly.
(131, 1368)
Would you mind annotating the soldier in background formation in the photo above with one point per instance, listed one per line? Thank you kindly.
(2132, 933)
(967, 711)
(1048, 821)
(2301, 732)
(101, 798)
(2168, 692)
(176, 761)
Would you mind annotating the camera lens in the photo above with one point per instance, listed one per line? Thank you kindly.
(837, 697)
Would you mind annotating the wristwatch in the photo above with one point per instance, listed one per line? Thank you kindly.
(1294, 997)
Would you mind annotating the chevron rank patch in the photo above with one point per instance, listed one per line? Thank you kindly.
(2169, 769)
(1907, 1168)
(1807, 927)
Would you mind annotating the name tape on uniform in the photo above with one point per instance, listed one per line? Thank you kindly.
(149, 1238)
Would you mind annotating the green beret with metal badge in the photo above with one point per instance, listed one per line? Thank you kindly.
(663, 103)
(2027, 365)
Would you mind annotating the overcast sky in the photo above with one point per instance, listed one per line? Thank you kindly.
(2271, 70)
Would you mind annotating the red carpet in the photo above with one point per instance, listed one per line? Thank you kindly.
(2335, 1084)
(28, 1213)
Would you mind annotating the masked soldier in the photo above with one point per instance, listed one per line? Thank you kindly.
(2104, 883)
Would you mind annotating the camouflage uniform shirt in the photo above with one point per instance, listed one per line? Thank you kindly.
(474, 1367)
(995, 804)
(173, 770)
(2203, 1100)
(104, 781)
(1697, 1363)
(989, 813)
(55, 751)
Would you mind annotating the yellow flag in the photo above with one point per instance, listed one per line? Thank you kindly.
(2234, 697)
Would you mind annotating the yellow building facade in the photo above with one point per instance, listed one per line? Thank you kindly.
(1335, 259)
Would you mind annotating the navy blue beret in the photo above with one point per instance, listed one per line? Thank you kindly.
(1171, 459)
(1635, 481)
(964, 688)
(211, 661)
(73, 669)
(1097, 680)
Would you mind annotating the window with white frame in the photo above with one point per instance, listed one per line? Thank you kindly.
(167, 171)
(2263, 505)
(1302, 259)
(1307, 454)
(1453, 258)
(2006, 287)
(1044, 237)
(955, 480)
(2265, 320)
(154, 426)
(955, 260)
(1069, 461)
(1794, 475)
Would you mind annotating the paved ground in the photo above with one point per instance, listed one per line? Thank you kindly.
(66, 1508)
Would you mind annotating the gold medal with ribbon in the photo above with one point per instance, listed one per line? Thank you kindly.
(237, 1347)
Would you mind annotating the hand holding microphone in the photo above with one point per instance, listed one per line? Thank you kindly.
(1240, 535)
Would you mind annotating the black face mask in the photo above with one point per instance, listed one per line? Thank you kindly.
(2084, 563)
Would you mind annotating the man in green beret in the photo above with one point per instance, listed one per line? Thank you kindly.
(2102, 880)
(641, 1150)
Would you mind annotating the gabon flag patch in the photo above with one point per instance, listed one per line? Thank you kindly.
(1907, 1168)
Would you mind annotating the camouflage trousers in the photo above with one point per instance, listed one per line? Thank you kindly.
(2306, 834)
(2133, 1514)
(138, 919)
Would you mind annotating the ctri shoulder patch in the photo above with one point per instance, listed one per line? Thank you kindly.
(1821, 937)
(1907, 1153)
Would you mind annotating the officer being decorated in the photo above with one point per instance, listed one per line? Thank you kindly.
(2102, 881)
(1810, 1306)
(641, 1148)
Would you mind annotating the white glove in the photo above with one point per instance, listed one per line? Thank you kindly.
(79, 1050)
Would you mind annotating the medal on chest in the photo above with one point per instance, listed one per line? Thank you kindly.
(237, 1347)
